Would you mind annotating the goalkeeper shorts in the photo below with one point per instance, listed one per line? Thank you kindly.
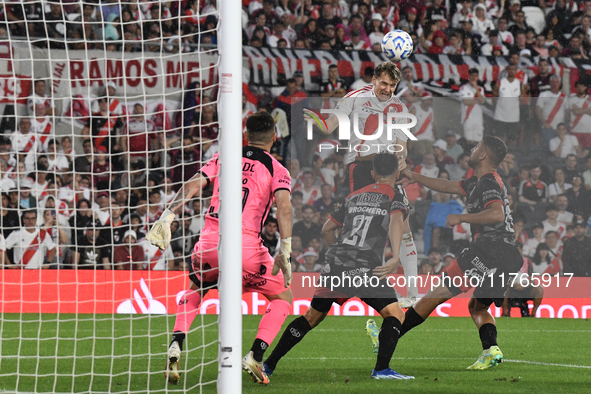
(257, 265)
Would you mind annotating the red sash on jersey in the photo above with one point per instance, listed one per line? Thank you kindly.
(45, 134)
(32, 248)
(578, 118)
(105, 131)
(155, 258)
(556, 108)
(113, 105)
(469, 109)
(30, 144)
(426, 124)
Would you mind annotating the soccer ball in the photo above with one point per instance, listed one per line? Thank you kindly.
(397, 45)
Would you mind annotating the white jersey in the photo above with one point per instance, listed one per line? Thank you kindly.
(368, 108)
(2, 243)
(424, 128)
(471, 113)
(559, 227)
(530, 246)
(156, 258)
(44, 130)
(30, 249)
(579, 123)
(26, 143)
(553, 107)
(35, 99)
(507, 109)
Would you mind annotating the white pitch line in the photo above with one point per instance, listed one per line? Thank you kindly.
(548, 364)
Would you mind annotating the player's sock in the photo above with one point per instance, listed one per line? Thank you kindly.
(187, 310)
(488, 335)
(388, 339)
(292, 335)
(408, 258)
(411, 320)
(179, 337)
(270, 325)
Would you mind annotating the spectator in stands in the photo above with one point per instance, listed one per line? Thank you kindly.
(42, 127)
(507, 112)
(310, 257)
(428, 167)
(185, 161)
(457, 171)
(472, 41)
(440, 153)
(80, 219)
(9, 219)
(519, 24)
(541, 258)
(580, 114)
(562, 205)
(483, 25)
(333, 83)
(505, 35)
(463, 13)
(83, 163)
(56, 162)
(326, 202)
(310, 191)
(454, 150)
(576, 252)
(555, 246)
(278, 33)
(560, 186)
(306, 229)
(533, 191)
(270, 236)
(138, 135)
(33, 247)
(25, 142)
(578, 197)
(102, 169)
(55, 22)
(494, 46)
(435, 224)
(561, 14)
(102, 129)
(66, 149)
(114, 228)
(92, 251)
(520, 234)
(425, 130)
(570, 168)
(541, 82)
(38, 96)
(365, 79)
(565, 144)
(552, 223)
(435, 260)
(473, 97)
(129, 255)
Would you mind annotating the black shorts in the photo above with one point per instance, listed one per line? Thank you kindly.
(509, 130)
(488, 266)
(359, 175)
(362, 284)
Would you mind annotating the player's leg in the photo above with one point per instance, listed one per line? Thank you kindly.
(418, 313)
(408, 259)
(389, 335)
(204, 266)
(485, 322)
(297, 329)
(538, 294)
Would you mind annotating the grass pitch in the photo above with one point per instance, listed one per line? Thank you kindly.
(542, 356)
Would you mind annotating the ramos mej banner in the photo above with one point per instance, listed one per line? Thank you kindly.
(157, 292)
(79, 72)
(272, 66)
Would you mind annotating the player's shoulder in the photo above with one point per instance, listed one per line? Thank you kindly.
(365, 91)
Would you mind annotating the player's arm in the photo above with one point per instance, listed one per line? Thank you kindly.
(159, 235)
(284, 220)
(437, 184)
(494, 213)
(329, 231)
(395, 231)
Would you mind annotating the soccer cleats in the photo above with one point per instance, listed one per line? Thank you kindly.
(406, 303)
(389, 374)
(268, 371)
(254, 369)
(173, 364)
(489, 358)
(373, 332)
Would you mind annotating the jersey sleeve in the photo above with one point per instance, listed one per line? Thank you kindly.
(210, 169)
(346, 104)
(490, 190)
(465, 93)
(48, 242)
(398, 205)
(281, 178)
(338, 216)
(12, 240)
(468, 184)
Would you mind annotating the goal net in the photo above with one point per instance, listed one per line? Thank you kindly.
(108, 108)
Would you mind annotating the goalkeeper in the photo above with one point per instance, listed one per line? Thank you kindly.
(264, 180)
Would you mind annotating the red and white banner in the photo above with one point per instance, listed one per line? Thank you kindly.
(85, 291)
(15, 82)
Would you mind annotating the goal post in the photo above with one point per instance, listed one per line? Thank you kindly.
(230, 249)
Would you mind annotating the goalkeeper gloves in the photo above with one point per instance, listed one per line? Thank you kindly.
(159, 235)
(283, 261)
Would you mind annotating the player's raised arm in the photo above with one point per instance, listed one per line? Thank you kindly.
(437, 184)
(160, 235)
(283, 259)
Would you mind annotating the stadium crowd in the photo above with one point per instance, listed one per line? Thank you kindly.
(92, 209)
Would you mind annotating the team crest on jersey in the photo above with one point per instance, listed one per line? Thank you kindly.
(249, 153)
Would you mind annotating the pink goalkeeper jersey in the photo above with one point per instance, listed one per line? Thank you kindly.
(262, 176)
